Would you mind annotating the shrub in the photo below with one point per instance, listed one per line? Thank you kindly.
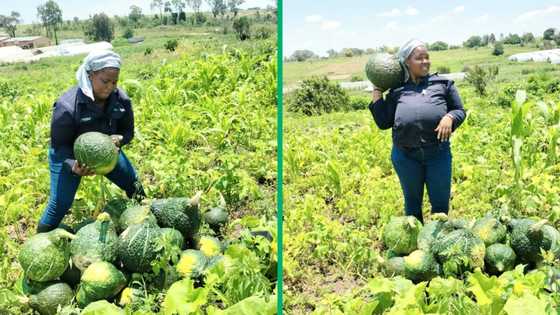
(171, 45)
(128, 33)
(199, 18)
(498, 49)
(318, 95)
(148, 51)
(356, 78)
(479, 78)
(443, 69)
(439, 45)
(359, 102)
(262, 33)
(242, 28)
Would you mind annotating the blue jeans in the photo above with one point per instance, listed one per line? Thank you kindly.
(64, 184)
(427, 165)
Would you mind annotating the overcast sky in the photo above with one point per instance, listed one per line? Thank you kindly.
(83, 9)
(322, 25)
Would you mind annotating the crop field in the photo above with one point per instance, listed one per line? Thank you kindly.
(341, 191)
(204, 118)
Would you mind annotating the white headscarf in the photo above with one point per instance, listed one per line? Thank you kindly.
(405, 52)
(96, 60)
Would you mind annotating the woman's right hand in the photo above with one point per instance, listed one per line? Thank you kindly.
(377, 94)
(81, 170)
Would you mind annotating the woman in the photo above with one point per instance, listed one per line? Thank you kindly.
(96, 104)
(422, 113)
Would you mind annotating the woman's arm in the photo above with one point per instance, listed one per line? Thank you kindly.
(455, 106)
(382, 110)
(63, 133)
(126, 124)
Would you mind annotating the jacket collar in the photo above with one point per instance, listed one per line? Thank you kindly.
(83, 99)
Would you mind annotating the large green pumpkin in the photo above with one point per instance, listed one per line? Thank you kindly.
(97, 151)
(45, 256)
(384, 71)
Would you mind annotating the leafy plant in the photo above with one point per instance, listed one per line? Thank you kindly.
(171, 45)
(318, 95)
(479, 77)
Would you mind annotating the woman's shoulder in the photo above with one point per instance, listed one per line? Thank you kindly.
(122, 96)
(68, 98)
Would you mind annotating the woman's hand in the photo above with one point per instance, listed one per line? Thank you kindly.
(377, 94)
(81, 170)
(444, 128)
(117, 140)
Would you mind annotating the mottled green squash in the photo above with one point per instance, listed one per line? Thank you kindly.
(45, 256)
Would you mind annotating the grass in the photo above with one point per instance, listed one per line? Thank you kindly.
(343, 68)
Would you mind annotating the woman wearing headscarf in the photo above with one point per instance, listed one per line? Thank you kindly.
(95, 104)
(423, 113)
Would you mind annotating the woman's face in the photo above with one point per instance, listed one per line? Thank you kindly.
(104, 82)
(419, 62)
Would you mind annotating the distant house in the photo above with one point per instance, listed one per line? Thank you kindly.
(27, 42)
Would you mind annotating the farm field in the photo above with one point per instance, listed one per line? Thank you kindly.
(204, 121)
(341, 191)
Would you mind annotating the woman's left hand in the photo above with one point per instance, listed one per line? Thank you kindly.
(444, 128)
(117, 140)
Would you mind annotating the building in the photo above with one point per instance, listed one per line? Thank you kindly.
(27, 42)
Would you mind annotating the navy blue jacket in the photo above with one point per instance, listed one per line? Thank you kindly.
(74, 113)
(414, 111)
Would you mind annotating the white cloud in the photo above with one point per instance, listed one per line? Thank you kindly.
(411, 11)
(536, 14)
(391, 25)
(393, 13)
(330, 25)
(482, 19)
(459, 9)
(313, 18)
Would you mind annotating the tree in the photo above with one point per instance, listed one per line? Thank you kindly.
(195, 5)
(492, 39)
(10, 22)
(332, 53)
(439, 45)
(528, 38)
(512, 39)
(51, 16)
(234, 6)
(302, 55)
(100, 27)
(485, 39)
(473, 41)
(167, 8)
(179, 5)
(549, 34)
(135, 14)
(159, 5)
(242, 28)
(218, 7)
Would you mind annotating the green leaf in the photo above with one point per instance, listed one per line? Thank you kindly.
(526, 304)
(102, 308)
(488, 292)
(183, 299)
(253, 305)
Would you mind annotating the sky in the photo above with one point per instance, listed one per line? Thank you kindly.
(83, 9)
(331, 24)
